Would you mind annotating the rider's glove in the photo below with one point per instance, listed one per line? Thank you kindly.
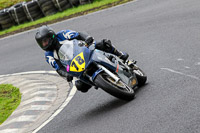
(64, 74)
(89, 40)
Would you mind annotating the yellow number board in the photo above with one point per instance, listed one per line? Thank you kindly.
(78, 63)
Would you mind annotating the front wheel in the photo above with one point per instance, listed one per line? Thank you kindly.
(140, 75)
(118, 89)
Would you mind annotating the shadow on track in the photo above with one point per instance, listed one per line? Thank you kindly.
(105, 108)
(141, 88)
(91, 115)
(101, 112)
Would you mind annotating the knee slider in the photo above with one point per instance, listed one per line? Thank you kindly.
(81, 86)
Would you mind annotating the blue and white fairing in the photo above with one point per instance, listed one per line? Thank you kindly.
(76, 57)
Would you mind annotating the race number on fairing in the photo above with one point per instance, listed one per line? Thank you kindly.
(78, 63)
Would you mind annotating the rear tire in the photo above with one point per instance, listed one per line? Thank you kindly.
(119, 90)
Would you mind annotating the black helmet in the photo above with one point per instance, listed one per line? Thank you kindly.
(46, 38)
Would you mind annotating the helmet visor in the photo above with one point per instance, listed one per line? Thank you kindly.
(45, 42)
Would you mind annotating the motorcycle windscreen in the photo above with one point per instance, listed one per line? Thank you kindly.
(66, 51)
(74, 56)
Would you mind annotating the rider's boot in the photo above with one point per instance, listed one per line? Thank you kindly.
(121, 55)
(131, 63)
(107, 46)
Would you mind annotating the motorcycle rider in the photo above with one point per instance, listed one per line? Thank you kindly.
(50, 42)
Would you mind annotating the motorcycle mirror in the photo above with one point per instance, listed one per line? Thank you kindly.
(92, 47)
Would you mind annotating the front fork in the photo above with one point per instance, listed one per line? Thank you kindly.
(101, 68)
(109, 73)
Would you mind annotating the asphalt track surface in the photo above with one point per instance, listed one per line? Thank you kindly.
(163, 36)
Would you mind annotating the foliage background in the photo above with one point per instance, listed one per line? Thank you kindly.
(9, 3)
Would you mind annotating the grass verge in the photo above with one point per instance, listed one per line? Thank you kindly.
(10, 98)
(69, 13)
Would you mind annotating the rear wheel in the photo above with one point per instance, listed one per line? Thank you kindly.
(118, 89)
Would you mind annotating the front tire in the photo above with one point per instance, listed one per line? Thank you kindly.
(119, 89)
(140, 75)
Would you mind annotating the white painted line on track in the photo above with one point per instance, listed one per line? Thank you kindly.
(71, 94)
(5, 81)
(180, 59)
(180, 73)
(16, 81)
(23, 118)
(38, 99)
(31, 72)
(41, 86)
(32, 107)
(38, 88)
(36, 84)
(43, 92)
(14, 130)
(23, 83)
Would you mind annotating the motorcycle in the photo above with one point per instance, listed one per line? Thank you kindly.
(101, 70)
